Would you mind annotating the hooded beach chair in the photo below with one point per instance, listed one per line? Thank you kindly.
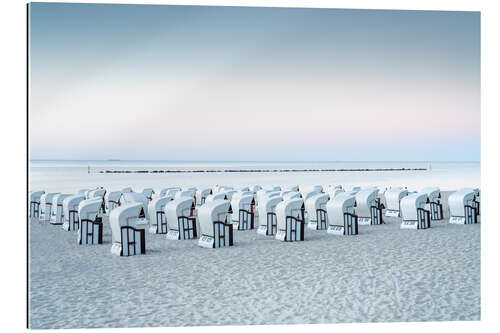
(415, 213)
(434, 205)
(181, 221)
(393, 198)
(57, 214)
(34, 203)
(268, 224)
(290, 220)
(157, 219)
(316, 211)
(127, 239)
(90, 230)
(294, 188)
(243, 211)
(368, 207)
(216, 229)
(342, 220)
(70, 209)
(46, 206)
(462, 208)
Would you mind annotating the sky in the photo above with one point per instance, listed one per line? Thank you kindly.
(252, 84)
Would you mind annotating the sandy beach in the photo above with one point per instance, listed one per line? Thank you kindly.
(383, 274)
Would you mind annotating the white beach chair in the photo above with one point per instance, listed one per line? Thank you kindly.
(316, 211)
(70, 209)
(46, 206)
(157, 219)
(90, 230)
(288, 195)
(434, 205)
(342, 219)
(368, 207)
(201, 195)
(127, 240)
(57, 213)
(414, 212)
(181, 221)
(307, 194)
(393, 198)
(243, 211)
(268, 224)
(462, 207)
(290, 220)
(34, 204)
(333, 192)
(216, 229)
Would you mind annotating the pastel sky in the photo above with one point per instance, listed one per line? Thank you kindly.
(240, 83)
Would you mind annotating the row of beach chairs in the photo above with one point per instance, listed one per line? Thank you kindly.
(211, 215)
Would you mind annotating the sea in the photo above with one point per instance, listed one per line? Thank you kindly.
(67, 176)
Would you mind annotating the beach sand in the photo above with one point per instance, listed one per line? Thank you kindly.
(383, 274)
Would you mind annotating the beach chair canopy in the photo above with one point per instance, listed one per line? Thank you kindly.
(333, 192)
(203, 193)
(288, 195)
(410, 204)
(127, 190)
(268, 205)
(113, 196)
(97, 193)
(185, 194)
(307, 194)
(255, 188)
(83, 191)
(294, 188)
(164, 191)
(134, 197)
(125, 215)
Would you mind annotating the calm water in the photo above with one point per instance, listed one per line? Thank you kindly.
(69, 176)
